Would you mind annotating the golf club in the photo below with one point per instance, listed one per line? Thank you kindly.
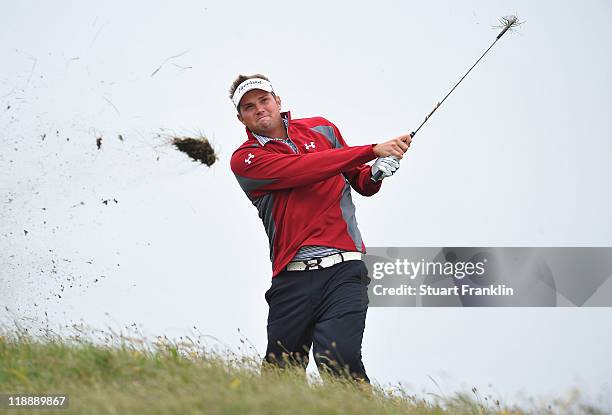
(506, 23)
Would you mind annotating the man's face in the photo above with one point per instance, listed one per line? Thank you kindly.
(260, 111)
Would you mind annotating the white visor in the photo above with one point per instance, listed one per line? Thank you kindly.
(248, 85)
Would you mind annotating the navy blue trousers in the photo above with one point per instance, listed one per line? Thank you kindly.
(325, 308)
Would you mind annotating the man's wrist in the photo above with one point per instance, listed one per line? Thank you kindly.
(372, 148)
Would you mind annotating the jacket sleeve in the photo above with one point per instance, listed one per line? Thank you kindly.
(358, 176)
(260, 171)
(360, 179)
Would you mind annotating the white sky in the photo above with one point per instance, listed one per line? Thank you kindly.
(518, 156)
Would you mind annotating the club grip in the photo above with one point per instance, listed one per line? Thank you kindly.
(376, 177)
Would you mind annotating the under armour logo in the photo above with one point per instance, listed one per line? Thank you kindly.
(309, 146)
(249, 158)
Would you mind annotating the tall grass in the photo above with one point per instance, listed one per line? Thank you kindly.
(104, 372)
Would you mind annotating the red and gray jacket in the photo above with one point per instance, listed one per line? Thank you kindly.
(305, 198)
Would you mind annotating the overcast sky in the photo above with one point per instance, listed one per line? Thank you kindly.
(518, 156)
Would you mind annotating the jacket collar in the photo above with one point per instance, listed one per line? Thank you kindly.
(262, 140)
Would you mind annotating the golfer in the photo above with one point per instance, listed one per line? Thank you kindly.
(299, 173)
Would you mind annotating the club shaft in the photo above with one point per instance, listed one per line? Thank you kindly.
(454, 87)
(412, 134)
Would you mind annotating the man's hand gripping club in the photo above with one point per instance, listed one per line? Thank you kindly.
(389, 154)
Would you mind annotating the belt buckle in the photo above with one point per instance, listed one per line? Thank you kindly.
(314, 263)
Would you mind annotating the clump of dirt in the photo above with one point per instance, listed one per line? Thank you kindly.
(197, 148)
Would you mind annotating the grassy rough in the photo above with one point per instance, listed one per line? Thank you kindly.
(131, 377)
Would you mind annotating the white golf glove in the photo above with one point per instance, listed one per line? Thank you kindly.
(387, 165)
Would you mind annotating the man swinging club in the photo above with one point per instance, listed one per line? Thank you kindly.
(298, 173)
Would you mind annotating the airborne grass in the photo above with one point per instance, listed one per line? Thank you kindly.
(128, 375)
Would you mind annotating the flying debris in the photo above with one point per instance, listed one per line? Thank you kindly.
(508, 23)
(168, 59)
(197, 148)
